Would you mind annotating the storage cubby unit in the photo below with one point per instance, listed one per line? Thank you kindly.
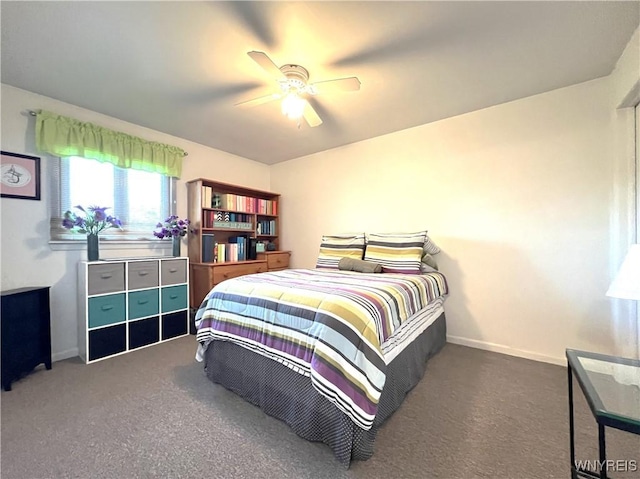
(127, 304)
(230, 224)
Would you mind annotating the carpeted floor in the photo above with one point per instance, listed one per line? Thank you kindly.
(152, 413)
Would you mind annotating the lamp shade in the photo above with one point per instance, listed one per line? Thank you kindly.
(626, 284)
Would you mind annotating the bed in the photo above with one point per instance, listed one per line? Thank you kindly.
(331, 353)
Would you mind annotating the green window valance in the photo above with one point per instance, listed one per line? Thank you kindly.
(62, 136)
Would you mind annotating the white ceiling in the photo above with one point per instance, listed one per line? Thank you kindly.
(179, 67)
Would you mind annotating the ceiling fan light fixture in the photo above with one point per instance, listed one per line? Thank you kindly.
(295, 89)
(293, 106)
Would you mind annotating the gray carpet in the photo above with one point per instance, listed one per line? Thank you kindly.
(152, 413)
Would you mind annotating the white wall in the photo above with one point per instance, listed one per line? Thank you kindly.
(518, 196)
(26, 256)
(625, 94)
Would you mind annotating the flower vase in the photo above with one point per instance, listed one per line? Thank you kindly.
(93, 247)
(175, 240)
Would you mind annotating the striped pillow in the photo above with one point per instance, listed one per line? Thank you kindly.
(429, 246)
(397, 253)
(428, 264)
(333, 248)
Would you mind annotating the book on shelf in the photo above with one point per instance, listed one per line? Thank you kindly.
(219, 254)
(266, 228)
(251, 248)
(236, 247)
(229, 201)
(206, 196)
(208, 244)
(244, 204)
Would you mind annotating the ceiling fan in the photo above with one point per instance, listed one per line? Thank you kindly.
(295, 89)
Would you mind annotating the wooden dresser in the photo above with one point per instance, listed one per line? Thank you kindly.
(204, 276)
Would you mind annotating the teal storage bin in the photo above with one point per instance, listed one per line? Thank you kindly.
(144, 303)
(174, 298)
(108, 309)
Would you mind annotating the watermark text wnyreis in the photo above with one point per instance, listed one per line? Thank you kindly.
(609, 465)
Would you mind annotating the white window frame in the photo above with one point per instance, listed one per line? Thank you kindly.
(63, 239)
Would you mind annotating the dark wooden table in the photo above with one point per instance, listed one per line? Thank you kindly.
(26, 332)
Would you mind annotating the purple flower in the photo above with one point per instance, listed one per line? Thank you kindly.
(173, 226)
(67, 223)
(98, 213)
(94, 220)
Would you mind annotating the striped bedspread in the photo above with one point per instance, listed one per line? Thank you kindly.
(328, 325)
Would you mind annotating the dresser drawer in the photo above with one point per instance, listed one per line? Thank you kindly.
(278, 260)
(174, 271)
(220, 273)
(105, 278)
(143, 274)
(143, 303)
(107, 309)
(174, 298)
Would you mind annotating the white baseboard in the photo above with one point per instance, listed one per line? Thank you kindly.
(498, 348)
(69, 353)
(472, 343)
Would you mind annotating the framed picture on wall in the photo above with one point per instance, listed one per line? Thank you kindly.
(19, 176)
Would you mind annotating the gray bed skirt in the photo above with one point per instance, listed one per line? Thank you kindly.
(290, 397)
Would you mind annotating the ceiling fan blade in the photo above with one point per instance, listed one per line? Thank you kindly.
(311, 116)
(256, 19)
(213, 93)
(259, 101)
(340, 84)
(267, 64)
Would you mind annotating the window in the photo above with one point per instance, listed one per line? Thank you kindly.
(138, 198)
